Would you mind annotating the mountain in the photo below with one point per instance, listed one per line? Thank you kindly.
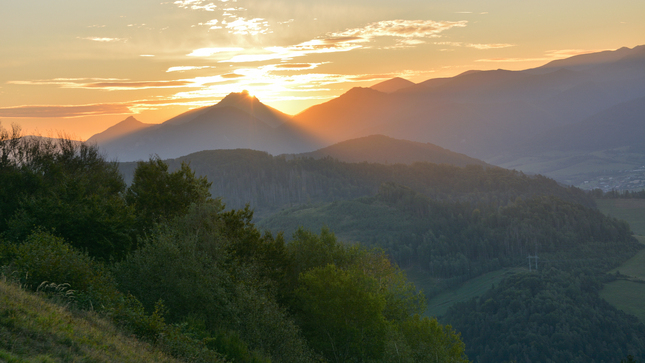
(386, 150)
(392, 85)
(127, 126)
(490, 115)
(237, 121)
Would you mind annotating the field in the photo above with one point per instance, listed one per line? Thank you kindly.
(630, 210)
(438, 305)
(628, 294)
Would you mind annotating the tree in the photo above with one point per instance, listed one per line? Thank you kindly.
(157, 194)
(64, 187)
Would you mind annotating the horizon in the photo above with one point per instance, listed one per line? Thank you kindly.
(80, 69)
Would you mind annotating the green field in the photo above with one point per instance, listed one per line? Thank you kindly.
(438, 305)
(628, 295)
(630, 210)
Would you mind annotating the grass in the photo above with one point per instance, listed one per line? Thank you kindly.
(630, 210)
(33, 329)
(628, 293)
(438, 305)
(627, 296)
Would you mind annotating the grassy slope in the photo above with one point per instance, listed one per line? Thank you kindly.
(628, 294)
(438, 305)
(630, 210)
(35, 330)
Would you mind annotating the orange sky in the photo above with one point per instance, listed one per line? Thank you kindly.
(78, 67)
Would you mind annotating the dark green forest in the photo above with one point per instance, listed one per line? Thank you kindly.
(173, 266)
(271, 183)
(455, 241)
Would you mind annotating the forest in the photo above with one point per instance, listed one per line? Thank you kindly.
(169, 252)
(168, 263)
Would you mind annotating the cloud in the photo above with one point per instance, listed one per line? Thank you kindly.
(489, 46)
(476, 45)
(185, 68)
(110, 84)
(207, 52)
(295, 66)
(64, 111)
(196, 5)
(315, 46)
(243, 26)
(130, 85)
(401, 28)
(103, 40)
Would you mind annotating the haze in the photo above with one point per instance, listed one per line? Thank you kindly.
(79, 67)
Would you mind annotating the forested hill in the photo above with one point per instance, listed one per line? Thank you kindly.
(456, 241)
(270, 183)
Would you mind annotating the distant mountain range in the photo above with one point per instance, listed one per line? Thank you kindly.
(552, 119)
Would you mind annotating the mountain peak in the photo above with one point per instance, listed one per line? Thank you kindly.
(127, 126)
(234, 99)
(392, 85)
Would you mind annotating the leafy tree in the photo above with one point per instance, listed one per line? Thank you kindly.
(156, 194)
(341, 313)
(66, 188)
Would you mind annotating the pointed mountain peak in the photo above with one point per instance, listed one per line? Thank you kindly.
(392, 85)
(127, 126)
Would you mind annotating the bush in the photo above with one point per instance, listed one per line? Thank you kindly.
(47, 258)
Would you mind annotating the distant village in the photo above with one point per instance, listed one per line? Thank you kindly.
(620, 180)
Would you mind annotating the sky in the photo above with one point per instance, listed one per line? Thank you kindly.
(77, 67)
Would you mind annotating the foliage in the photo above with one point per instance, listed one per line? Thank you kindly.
(354, 305)
(35, 330)
(552, 316)
(271, 183)
(157, 195)
(190, 264)
(47, 258)
(455, 241)
(66, 188)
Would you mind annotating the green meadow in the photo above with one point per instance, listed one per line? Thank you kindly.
(630, 210)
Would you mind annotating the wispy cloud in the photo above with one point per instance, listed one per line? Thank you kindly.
(207, 52)
(244, 26)
(103, 39)
(64, 111)
(401, 28)
(477, 45)
(196, 5)
(185, 68)
(109, 84)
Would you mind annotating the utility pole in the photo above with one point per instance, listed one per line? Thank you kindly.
(536, 262)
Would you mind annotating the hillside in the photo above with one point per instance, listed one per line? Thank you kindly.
(35, 330)
(269, 183)
(386, 150)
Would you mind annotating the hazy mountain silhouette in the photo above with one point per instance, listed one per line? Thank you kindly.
(392, 85)
(237, 121)
(127, 126)
(386, 150)
(481, 113)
